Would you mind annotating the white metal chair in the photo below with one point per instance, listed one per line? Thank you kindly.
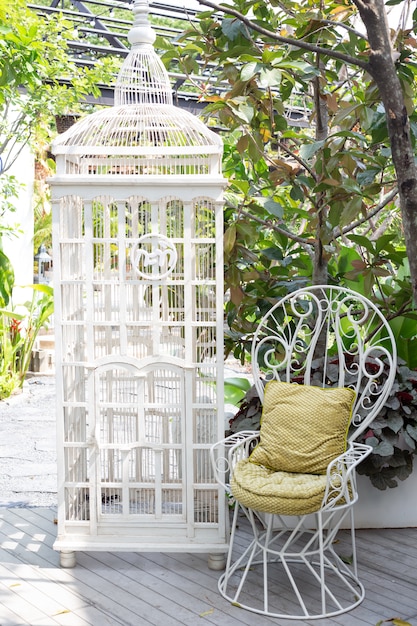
(336, 345)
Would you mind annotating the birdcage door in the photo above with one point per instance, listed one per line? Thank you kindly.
(140, 442)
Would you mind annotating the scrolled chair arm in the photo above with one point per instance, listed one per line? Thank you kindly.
(341, 476)
(227, 452)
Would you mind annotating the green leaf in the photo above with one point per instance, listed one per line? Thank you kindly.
(275, 208)
(245, 113)
(13, 315)
(242, 144)
(378, 481)
(254, 150)
(351, 210)
(246, 230)
(243, 185)
(273, 253)
(235, 389)
(395, 422)
(382, 242)
(362, 241)
(46, 289)
(409, 441)
(307, 151)
(233, 27)
(6, 279)
(352, 186)
(349, 134)
(367, 176)
(347, 559)
(249, 70)
(384, 449)
(229, 238)
(412, 431)
(269, 78)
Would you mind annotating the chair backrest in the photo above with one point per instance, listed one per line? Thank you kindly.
(328, 336)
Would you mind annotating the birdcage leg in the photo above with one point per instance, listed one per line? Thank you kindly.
(216, 561)
(67, 558)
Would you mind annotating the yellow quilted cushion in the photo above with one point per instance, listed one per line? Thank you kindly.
(283, 493)
(303, 428)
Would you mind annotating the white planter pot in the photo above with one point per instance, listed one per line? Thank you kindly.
(392, 508)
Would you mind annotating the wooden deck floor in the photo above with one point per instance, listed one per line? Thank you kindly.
(131, 589)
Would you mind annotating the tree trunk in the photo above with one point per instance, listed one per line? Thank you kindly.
(320, 261)
(382, 70)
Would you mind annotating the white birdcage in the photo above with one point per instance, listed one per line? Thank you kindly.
(138, 275)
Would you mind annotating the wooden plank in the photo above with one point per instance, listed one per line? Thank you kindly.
(110, 590)
(193, 571)
(35, 584)
(128, 589)
(186, 596)
(149, 582)
(10, 618)
(24, 595)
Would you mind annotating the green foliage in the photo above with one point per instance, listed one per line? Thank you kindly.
(37, 79)
(235, 390)
(393, 434)
(9, 189)
(6, 280)
(43, 225)
(308, 158)
(19, 327)
(291, 194)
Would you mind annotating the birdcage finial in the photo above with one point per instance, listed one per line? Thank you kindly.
(142, 32)
(142, 79)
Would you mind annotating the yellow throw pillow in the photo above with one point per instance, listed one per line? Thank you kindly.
(303, 428)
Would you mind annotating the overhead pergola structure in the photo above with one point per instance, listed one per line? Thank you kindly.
(101, 29)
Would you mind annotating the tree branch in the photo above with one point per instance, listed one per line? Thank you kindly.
(294, 156)
(338, 232)
(346, 27)
(278, 229)
(333, 54)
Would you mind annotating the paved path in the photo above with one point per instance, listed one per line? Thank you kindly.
(27, 445)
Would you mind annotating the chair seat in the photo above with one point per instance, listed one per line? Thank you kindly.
(281, 493)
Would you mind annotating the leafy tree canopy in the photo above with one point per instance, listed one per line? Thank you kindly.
(37, 78)
(313, 180)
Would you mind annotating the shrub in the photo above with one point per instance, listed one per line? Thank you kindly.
(392, 435)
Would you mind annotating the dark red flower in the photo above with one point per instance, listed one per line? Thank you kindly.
(369, 433)
(404, 397)
(298, 379)
(372, 368)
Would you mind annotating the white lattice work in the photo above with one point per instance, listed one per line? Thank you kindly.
(138, 271)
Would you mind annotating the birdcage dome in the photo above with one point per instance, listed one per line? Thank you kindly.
(136, 139)
(142, 79)
(143, 133)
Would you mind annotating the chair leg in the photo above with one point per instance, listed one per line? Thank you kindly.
(301, 575)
